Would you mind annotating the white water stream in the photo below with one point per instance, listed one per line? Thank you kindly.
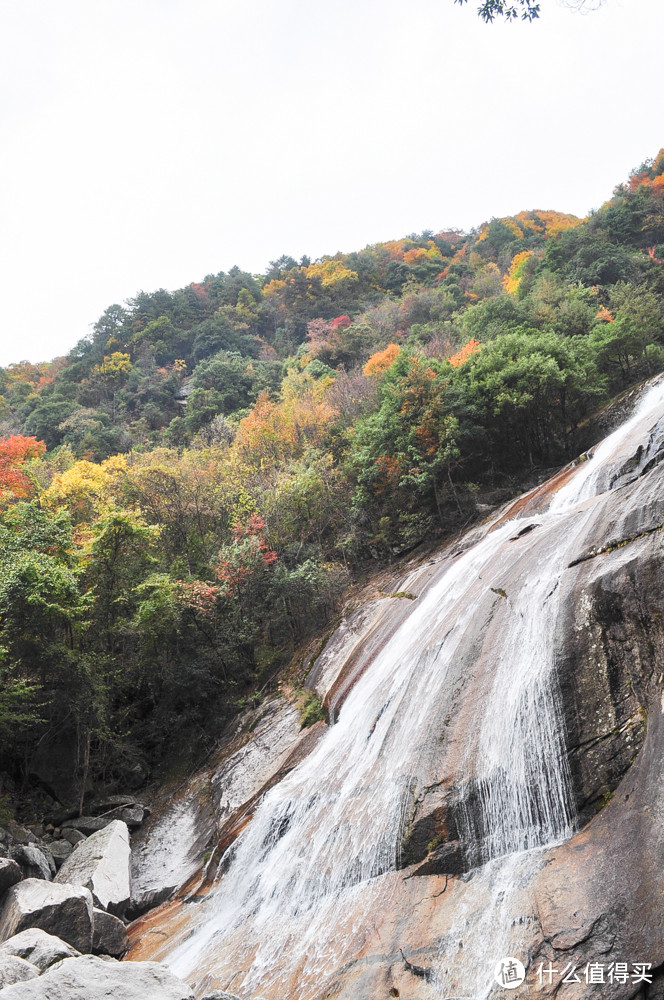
(300, 889)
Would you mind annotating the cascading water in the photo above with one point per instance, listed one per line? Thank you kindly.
(302, 886)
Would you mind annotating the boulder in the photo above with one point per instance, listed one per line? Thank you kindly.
(35, 862)
(15, 970)
(10, 874)
(93, 978)
(56, 819)
(101, 864)
(220, 995)
(20, 834)
(130, 812)
(108, 802)
(60, 850)
(39, 948)
(109, 934)
(87, 824)
(73, 836)
(63, 910)
(134, 815)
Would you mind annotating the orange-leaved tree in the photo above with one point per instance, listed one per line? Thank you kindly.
(379, 362)
(15, 451)
(472, 347)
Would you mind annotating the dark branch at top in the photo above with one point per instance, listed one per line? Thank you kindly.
(526, 10)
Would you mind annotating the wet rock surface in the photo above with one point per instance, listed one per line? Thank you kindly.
(170, 848)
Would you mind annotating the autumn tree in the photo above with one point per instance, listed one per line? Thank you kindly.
(15, 452)
(403, 454)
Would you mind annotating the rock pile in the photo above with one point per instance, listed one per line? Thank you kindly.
(64, 890)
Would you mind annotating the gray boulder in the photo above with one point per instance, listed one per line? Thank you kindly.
(93, 978)
(15, 970)
(101, 864)
(10, 874)
(73, 835)
(35, 862)
(107, 802)
(63, 910)
(220, 995)
(87, 824)
(60, 850)
(102, 812)
(131, 813)
(109, 934)
(21, 834)
(134, 815)
(39, 948)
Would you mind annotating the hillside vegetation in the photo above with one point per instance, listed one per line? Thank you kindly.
(187, 494)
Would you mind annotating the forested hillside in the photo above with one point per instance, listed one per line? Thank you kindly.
(185, 497)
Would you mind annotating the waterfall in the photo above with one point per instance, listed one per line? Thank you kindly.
(301, 887)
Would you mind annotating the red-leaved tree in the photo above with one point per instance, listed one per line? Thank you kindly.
(15, 451)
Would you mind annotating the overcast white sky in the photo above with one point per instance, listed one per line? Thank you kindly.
(147, 143)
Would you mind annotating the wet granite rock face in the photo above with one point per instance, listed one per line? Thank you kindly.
(611, 639)
(601, 894)
(611, 669)
(434, 835)
(609, 660)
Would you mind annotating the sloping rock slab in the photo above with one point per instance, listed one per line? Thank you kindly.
(10, 874)
(63, 910)
(91, 978)
(109, 936)
(101, 864)
(15, 970)
(39, 948)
